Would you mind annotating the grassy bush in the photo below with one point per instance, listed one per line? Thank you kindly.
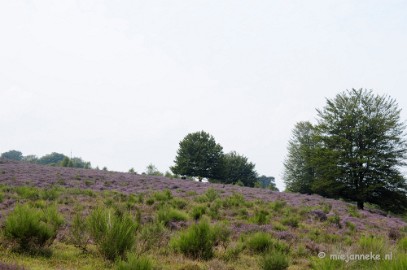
(152, 235)
(259, 242)
(291, 221)
(135, 263)
(221, 234)
(196, 242)
(114, 235)
(353, 211)
(32, 228)
(198, 211)
(232, 253)
(29, 193)
(402, 245)
(278, 205)
(162, 196)
(274, 261)
(327, 264)
(179, 203)
(372, 244)
(78, 234)
(211, 194)
(261, 217)
(234, 200)
(166, 215)
(336, 220)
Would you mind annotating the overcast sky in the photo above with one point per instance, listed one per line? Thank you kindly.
(120, 83)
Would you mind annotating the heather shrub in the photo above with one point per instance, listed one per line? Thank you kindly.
(32, 228)
(274, 261)
(114, 235)
(336, 220)
(166, 215)
(135, 263)
(196, 242)
(1, 196)
(4, 266)
(353, 211)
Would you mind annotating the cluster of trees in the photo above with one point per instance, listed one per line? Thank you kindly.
(355, 151)
(200, 156)
(53, 159)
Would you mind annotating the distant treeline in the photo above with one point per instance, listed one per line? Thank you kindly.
(53, 159)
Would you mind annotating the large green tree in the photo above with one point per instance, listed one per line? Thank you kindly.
(236, 168)
(299, 172)
(361, 148)
(198, 155)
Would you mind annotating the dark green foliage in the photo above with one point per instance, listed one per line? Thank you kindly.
(52, 159)
(12, 155)
(267, 182)
(292, 221)
(237, 168)
(211, 194)
(31, 228)
(354, 152)
(114, 235)
(274, 261)
(198, 155)
(197, 241)
(135, 263)
(299, 172)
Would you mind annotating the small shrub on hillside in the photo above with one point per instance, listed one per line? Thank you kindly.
(326, 207)
(164, 195)
(196, 242)
(197, 212)
(402, 245)
(327, 264)
(259, 242)
(350, 226)
(221, 234)
(179, 203)
(150, 201)
(152, 235)
(29, 193)
(261, 217)
(135, 263)
(211, 194)
(291, 221)
(234, 200)
(1, 197)
(336, 220)
(166, 215)
(274, 261)
(278, 226)
(214, 208)
(114, 235)
(353, 211)
(32, 228)
(50, 194)
(372, 244)
(78, 234)
(232, 253)
(278, 205)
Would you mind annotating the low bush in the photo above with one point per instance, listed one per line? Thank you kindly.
(261, 217)
(372, 244)
(292, 221)
(152, 235)
(31, 228)
(198, 211)
(259, 242)
(402, 245)
(274, 261)
(221, 234)
(166, 215)
(26, 192)
(196, 242)
(211, 194)
(114, 235)
(135, 263)
(78, 233)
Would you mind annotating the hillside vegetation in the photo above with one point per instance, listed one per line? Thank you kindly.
(69, 218)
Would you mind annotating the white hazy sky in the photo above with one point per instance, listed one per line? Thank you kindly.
(120, 83)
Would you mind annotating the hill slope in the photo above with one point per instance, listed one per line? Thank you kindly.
(306, 224)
